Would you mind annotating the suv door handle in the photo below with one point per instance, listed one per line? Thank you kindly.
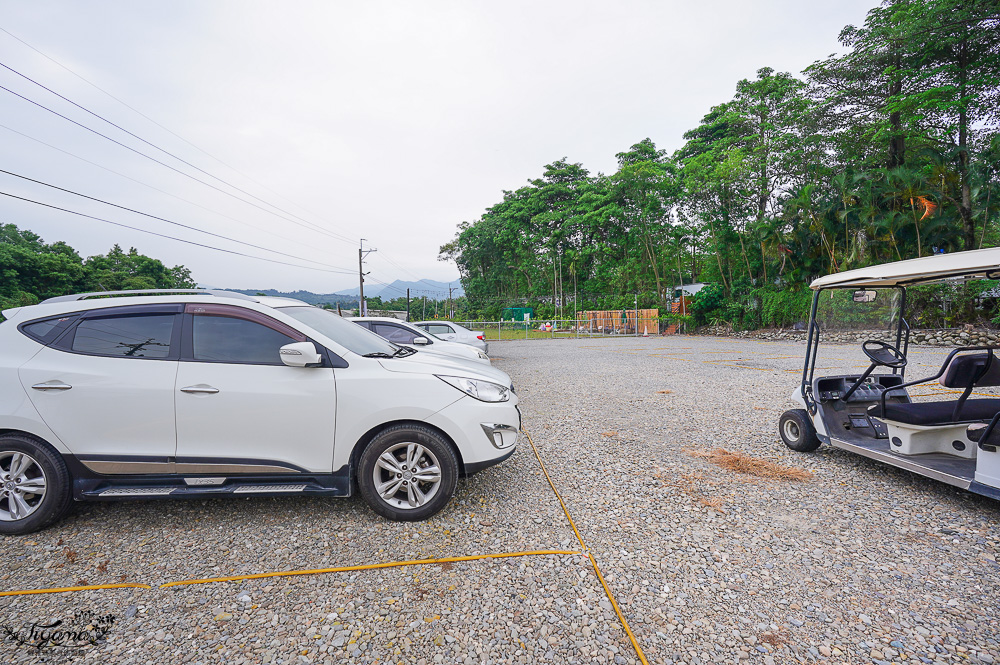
(200, 389)
(52, 385)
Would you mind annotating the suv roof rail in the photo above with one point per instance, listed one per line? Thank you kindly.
(141, 292)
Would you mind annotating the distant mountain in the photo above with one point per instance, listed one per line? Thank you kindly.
(306, 296)
(425, 287)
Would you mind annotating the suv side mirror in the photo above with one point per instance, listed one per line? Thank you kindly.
(299, 354)
(422, 341)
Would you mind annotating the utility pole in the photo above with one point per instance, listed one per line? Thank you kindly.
(451, 312)
(683, 308)
(361, 276)
(407, 305)
(555, 288)
(562, 298)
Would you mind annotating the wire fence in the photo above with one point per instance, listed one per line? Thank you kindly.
(616, 326)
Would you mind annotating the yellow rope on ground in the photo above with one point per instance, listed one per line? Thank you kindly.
(372, 566)
(75, 588)
(395, 564)
(558, 496)
(590, 555)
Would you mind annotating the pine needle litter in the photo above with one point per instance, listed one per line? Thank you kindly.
(753, 466)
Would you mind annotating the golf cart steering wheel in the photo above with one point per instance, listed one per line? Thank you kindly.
(883, 354)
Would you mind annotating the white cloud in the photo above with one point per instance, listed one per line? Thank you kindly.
(394, 121)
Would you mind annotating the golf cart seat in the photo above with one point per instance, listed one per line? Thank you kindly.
(917, 428)
(938, 413)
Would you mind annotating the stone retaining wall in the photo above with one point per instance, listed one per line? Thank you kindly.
(950, 337)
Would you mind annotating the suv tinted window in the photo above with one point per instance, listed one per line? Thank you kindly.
(48, 330)
(232, 340)
(125, 336)
(393, 333)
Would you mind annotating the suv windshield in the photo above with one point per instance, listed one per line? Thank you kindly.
(416, 330)
(349, 335)
(423, 332)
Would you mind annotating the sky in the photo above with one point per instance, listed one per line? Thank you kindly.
(292, 130)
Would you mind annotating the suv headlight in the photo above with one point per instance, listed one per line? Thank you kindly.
(484, 391)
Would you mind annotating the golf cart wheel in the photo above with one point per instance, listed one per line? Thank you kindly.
(407, 473)
(797, 431)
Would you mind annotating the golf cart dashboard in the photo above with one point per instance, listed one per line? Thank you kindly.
(833, 388)
(850, 420)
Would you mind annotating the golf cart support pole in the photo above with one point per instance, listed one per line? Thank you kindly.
(811, 348)
(899, 331)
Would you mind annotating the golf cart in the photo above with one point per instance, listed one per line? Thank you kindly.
(878, 412)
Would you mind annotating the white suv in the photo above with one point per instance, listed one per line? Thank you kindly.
(178, 394)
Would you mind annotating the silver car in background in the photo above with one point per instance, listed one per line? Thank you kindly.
(453, 332)
(401, 332)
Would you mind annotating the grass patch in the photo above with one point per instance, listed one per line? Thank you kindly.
(753, 466)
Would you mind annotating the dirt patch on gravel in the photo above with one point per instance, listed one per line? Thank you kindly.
(754, 466)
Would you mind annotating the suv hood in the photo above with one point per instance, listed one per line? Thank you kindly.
(426, 363)
(454, 349)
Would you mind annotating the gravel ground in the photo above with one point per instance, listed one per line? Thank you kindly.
(863, 563)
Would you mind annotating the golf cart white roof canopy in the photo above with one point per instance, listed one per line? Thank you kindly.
(974, 264)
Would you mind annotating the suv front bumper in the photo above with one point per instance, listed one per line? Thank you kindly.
(485, 433)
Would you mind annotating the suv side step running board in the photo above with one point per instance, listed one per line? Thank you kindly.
(264, 489)
(230, 489)
(134, 491)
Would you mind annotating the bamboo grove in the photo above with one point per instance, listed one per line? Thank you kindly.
(889, 151)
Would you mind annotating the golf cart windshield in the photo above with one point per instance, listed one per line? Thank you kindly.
(854, 310)
(851, 317)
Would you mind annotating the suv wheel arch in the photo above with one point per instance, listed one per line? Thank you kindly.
(363, 442)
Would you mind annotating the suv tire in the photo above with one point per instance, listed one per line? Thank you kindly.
(27, 464)
(407, 473)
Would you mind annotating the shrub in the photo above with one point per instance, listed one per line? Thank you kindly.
(781, 309)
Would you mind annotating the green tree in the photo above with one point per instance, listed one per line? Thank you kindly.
(119, 270)
(33, 270)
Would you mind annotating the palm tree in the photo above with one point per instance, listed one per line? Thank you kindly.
(907, 188)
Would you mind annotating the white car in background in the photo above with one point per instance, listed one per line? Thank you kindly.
(401, 332)
(455, 333)
(203, 394)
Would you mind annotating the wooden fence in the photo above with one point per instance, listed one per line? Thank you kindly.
(621, 322)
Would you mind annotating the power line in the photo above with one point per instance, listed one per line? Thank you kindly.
(119, 127)
(161, 235)
(137, 111)
(172, 168)
(164, 151)
(155, 189)
(399, 266)
(152, 145)
(164, 219)
(387, 286)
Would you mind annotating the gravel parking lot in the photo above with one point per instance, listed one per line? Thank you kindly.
(862, 563)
